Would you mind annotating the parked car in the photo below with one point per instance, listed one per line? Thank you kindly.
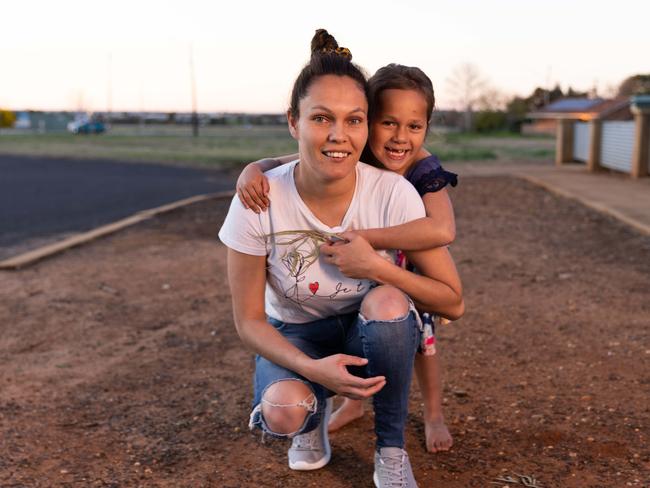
(86, 127)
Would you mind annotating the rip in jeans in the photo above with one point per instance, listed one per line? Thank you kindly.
(309, 403)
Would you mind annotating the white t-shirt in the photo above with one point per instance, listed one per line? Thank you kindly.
(297, 291)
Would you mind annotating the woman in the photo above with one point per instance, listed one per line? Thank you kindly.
(309, 322)
(401, 105)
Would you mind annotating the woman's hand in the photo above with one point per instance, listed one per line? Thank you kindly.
(331, 372)
(354, 256)
(253, 188)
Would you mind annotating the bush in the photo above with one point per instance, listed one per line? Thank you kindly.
(7, 118)
(490, 121)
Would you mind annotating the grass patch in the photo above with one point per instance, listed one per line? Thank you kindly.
(493, 146)
(529, 153)
(462, 153)
(227, 147)
(222, 147)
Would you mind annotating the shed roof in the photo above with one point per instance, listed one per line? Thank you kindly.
(581, 108)
(572, 105)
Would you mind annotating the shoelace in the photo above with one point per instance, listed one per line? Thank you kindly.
(394, 468)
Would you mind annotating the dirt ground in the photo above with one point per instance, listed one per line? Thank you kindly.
(120, 365)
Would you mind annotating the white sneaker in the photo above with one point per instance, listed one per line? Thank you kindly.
(312, 450)
(393, 469)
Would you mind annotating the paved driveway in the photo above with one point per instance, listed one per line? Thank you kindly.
(40, 198)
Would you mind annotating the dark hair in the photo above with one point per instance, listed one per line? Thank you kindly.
(327, 58)
(399, 77)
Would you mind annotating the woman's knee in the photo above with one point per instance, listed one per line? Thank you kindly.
(286, 404)
(384, 303)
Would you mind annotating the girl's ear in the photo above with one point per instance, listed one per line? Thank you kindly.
(293, 125)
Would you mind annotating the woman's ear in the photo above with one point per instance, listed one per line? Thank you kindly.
(293, 124)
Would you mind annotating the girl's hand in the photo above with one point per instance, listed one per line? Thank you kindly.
(354, 256)
(253, 188)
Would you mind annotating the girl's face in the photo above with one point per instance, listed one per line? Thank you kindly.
(398, 131)
(332, 129)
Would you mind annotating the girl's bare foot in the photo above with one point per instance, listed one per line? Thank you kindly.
(437, 435)
(349, 411)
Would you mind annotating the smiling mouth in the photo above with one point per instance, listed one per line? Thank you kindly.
(396, 153)
(336, 154)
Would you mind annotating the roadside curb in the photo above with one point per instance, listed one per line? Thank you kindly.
(639, 226)
(31, 257)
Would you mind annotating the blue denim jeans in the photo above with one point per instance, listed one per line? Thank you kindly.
(389, 347)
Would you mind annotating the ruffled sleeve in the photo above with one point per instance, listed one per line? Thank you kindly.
(428, 176)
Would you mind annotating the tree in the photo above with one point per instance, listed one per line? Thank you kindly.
(468, 85)
(516, 111)
(7, 118)
(491, 99)
(576, 94)
(634, 85)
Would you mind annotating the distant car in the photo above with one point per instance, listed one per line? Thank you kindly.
(86, 127)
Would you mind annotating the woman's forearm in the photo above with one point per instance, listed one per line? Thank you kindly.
(265, 340)
(247, 278)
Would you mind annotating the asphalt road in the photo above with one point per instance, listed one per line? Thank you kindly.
(42, 198)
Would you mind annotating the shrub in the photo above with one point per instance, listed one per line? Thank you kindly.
(7, 118)
(490, 121)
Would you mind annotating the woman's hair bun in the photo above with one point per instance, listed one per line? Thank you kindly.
(324, 43)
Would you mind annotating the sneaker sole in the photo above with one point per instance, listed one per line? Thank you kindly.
(303, 466)
(375, 479)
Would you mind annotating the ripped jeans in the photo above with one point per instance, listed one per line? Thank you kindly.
(389, 347)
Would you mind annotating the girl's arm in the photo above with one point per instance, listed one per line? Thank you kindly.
(437, 229)
(438, 289)
(247, 278)
(253, 187)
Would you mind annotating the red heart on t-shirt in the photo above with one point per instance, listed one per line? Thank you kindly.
(313, 287)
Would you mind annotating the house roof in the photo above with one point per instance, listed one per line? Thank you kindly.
(581, 108)
(572, 105)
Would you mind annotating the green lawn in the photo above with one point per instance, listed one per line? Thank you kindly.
(232, 146)
(505, 146)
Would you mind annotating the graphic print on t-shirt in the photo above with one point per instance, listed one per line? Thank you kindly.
(302, 250)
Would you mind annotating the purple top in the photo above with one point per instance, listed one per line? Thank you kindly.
(427, 176)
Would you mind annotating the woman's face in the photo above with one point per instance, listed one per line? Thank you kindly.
(332, 128)
(398, 132)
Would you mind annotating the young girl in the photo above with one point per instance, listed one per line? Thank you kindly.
(401, 102)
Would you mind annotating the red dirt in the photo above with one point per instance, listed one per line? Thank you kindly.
(120, 365)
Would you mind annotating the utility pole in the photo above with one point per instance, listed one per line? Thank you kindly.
(547, 92)
(195, 115)
(109, 90)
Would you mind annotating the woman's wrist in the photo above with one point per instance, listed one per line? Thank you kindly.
(304, 365)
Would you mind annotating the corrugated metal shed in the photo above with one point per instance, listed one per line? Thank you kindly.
(581, 141)
(617, 142)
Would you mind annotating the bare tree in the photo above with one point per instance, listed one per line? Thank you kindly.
(468, 86)
(491, 99)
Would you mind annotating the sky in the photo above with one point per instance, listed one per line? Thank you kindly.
(135, 54)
